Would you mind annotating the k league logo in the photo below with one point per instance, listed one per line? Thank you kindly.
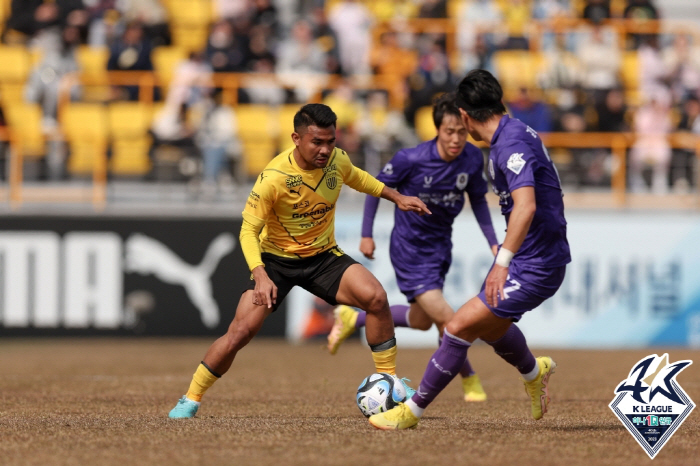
(650, 403)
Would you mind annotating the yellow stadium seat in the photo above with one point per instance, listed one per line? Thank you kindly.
(190, 37)
(86, 130)
(258, 130)
(165, 60)
(93, 63)
(190, 11)
(128, 126)
(24, 120)
(630, 70)
(16, 64)
(425, 128)
(12, 92)
(286, 125)
(518, 68)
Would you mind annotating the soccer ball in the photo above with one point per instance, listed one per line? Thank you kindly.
(379, 392)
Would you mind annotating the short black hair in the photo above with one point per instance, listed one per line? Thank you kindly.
(446, 104)
(480, 95)
(314, 115)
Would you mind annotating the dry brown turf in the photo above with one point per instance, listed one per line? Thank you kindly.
(105, 402)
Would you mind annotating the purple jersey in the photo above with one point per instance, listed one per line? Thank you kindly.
(420, 172)
(518, 158)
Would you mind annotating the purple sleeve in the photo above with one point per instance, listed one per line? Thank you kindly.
(371, 205)
(518, 164)
(483, 217)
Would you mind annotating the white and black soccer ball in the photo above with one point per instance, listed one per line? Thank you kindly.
(379, 392)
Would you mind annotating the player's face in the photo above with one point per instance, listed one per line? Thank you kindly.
(452, 136)
(469, 124)
(314, 146)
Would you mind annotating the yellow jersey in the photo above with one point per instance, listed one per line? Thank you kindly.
(295, 208)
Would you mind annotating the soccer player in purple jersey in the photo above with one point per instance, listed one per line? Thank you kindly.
(529, 266)
(438, 172)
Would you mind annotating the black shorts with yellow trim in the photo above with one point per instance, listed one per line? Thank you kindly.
(319, 274)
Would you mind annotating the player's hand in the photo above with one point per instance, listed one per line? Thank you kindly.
(494, 250)
(367, 247)
(412, 204)
(265, 292)
(495, 282)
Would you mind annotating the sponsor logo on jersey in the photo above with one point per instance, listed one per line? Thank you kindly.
(427, 181)
(516, 163)
(293, 181)
(317, 212)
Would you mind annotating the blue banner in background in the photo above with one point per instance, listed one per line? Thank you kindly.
(634, 280)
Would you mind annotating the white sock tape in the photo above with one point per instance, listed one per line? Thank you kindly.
(504, 257)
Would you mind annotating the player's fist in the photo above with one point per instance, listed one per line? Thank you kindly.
(367, 247)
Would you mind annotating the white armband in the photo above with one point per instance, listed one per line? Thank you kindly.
(504, 257)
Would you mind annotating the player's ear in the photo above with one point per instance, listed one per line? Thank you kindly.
(296, 137)
(465, 117)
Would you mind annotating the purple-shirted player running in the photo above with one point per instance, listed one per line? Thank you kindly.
(529, 267)
(439, 172)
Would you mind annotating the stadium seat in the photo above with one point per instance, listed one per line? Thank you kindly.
(193, 12)
(425, 128)
(258, 130)
(16, 64)
(630, 70)
(86, 130)
(286, 125)
(128, 126)
(165, 60)
(93, 63)
(191, 38)
(518, 68)
(24, 120)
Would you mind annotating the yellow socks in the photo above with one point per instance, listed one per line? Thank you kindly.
(384, 355)
(202, 379)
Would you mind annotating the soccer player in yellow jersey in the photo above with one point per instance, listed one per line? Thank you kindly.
(288, 239)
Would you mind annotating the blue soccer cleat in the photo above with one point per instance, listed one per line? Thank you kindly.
(409, 390)
(184, 409)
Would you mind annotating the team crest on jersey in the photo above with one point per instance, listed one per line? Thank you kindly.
(650, 403)
(331, 181)
(462, 180)
(516, 163)
(388, 169)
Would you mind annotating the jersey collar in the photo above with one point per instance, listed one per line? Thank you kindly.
(504, 121)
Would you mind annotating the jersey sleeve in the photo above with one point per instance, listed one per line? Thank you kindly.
(518, 163)
(357, 178)
(396, 170)
(261, 198)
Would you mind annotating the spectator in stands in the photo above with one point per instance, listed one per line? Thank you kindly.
(103, 18)
(55, 75)
(225, 50)
(653, 73)
(534, 113)
(326, 38)
(383, 131)
(652, 125)
(433, 9)
(483, 35)
(192, 81)
(600, 63)
(229, 9)
(683, 64)
(301, 63)
(263, 14)
(131, 53)
(551, 9)
(32, 16)
(262, 88)
(344, 103)
(218, 141)
(151, 15)
(352, 22)
(640, 11)
(562, 67)
(690, 117)
(611, 112)
(259, 50)
(596, 11)
(171, 130)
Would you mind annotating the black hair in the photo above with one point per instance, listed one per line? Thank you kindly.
(314, 115)
(446, 104)
(480, 95)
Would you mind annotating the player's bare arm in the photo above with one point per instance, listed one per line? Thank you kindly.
(524, 207)
(405, 203)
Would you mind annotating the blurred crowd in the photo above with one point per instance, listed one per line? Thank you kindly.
(377, 64)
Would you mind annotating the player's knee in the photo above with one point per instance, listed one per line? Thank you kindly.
(420, 322)
(378, 302)
(238, 336)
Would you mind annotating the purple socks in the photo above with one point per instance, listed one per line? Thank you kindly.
(399, 313)
(444, 365)
(466, 370)
(513, 348)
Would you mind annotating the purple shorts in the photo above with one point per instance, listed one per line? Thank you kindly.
(418, 272)
(526, 288)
